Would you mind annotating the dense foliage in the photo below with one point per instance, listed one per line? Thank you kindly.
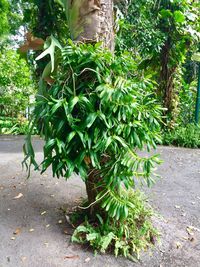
(94, 118)
(4, 24)
(136, 233)
(164, 34)
(183, 136)
(15, 88)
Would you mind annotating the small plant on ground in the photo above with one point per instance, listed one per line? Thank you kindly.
(127, 237)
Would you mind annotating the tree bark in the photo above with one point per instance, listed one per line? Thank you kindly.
(91, 21)
(167, 77)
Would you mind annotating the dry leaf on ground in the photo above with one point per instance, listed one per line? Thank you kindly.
(19, 196)
(87, 259)
(72, 257)
(178, 245)
(17, 231)
(23, 259)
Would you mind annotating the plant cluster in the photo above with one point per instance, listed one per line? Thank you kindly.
(183, 136)
(15, 126)
(95, 113)
(93, 108)
(126, 238)
(16, 85)
(4, 11)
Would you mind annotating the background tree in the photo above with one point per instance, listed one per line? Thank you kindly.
(4, 24)
(16, 87)
(163, 32)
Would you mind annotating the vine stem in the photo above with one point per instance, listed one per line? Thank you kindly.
(85, 208)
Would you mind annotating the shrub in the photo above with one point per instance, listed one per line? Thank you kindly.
(94, 118)
(183, 136)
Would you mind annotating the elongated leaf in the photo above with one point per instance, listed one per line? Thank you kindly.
(50, 51)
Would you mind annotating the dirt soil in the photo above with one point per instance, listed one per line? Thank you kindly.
(34, 231)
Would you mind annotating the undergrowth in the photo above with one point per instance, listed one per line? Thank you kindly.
(183, 136)
(136, 233)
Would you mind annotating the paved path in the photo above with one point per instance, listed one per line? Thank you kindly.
(42, 236)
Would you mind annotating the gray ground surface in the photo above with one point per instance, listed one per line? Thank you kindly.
(176, 197)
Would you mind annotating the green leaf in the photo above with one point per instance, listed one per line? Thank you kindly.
(90, 119)
(166, 13)
(50, 51)
(137, 139)
(50, 144)
(179, 16)
(92, 236)
(73, 102)
(71, 136)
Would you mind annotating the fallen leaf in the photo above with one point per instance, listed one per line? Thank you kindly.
(178, 245)
(87, 259)
(185, 237)
(17, 231)
(23, 259)
(72, 257)
(42, 213)
(18, 196)
(31, 230)
(191, 239)
(68, 219)
(190, 230)
(190, 227)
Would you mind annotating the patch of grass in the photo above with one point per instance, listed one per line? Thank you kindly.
(183, 136)
(126, 237)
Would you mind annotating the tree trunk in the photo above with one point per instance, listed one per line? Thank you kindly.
(167, 78)
(91, 21)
